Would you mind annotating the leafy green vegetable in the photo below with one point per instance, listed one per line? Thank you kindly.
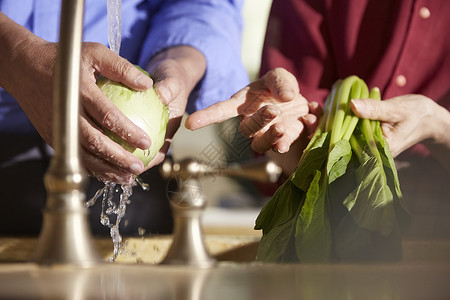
(279, 219)
(343, 202)
(313, 232)
(145, 109)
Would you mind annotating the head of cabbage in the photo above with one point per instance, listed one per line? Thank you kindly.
(145, 109)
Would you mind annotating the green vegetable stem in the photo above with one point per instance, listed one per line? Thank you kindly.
(343, 202)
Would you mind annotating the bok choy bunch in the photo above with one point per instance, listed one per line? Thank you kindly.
(343, 202)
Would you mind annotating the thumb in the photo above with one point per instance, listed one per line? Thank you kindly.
(116, 68)
(282, 84)
(374, 109)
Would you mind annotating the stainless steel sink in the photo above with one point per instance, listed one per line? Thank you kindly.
(147, 250)
(424, 273)
(235, 248)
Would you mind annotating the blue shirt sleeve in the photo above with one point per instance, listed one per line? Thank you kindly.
(212, 27)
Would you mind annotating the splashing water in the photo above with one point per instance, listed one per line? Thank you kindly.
(110, 209)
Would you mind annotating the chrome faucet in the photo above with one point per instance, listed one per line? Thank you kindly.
(65, 236)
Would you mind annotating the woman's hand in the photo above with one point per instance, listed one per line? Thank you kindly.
(271, 109)
(408, 120)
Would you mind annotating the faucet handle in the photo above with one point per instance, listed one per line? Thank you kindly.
(188, 245)
(261, 169)
(188, 204)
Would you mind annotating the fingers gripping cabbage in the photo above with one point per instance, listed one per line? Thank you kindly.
(143, 108)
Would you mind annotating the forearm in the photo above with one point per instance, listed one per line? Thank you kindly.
(13, 38)
(212, 27)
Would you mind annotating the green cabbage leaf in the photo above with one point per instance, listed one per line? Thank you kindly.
(143, 108)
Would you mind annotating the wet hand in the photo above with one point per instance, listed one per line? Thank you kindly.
(176, 71)
(104, 158)
(101, 156)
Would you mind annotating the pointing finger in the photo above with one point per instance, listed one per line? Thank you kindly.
(216, 113)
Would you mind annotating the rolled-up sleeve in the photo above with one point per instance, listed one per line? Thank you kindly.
(215, 29)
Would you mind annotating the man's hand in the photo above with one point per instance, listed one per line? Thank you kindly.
(176, 71)
(32, 64)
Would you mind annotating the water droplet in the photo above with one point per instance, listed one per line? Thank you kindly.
(144, 186)
(141, 231)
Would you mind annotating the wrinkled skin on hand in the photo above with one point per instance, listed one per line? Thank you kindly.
(176, 71)
(410, 119)
(102, 157)
(271, 110)
(30, 81)
(406, 120)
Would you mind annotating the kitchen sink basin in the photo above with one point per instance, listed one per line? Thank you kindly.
(424, 273)
(235, 248)
(148, 250)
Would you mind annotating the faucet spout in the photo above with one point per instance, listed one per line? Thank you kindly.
(65, 237)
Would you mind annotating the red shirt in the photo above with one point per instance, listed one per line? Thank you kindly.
(399, 46)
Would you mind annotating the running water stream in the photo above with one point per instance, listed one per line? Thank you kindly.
(109, 206)
(114, 9)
